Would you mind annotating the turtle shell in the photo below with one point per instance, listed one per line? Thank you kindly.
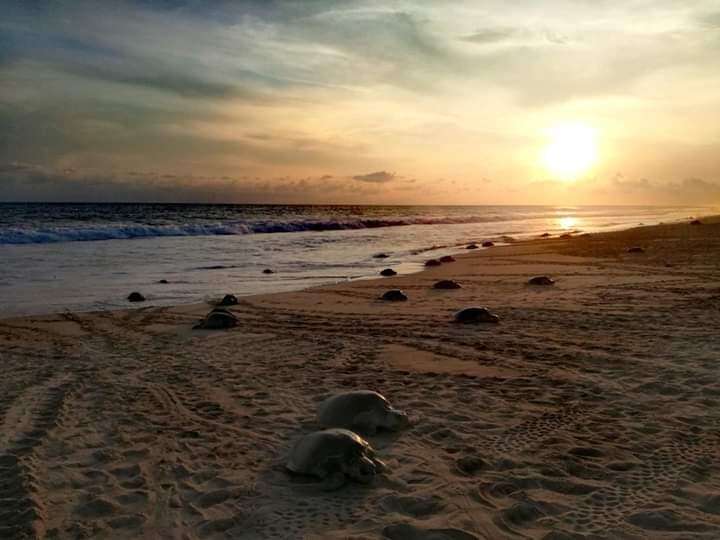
(475, 315)
(229, 300)
(218, 319)
(541, 280)
(447, 284)
(394, 295)
(310, 453)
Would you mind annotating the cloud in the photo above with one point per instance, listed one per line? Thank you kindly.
(490, 35)
(25, 182)
(379, 177)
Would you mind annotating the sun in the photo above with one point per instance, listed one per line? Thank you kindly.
(571, 150)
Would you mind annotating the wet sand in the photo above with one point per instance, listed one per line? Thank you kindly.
(591, 411)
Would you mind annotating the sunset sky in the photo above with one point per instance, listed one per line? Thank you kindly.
(320, 101)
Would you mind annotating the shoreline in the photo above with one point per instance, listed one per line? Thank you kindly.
(589, 411)
(448, 249)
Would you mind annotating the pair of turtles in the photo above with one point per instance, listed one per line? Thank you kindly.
(337, 452)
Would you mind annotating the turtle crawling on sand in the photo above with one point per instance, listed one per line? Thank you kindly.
(447, 259)
(476, 315)
(135, 297)
(635, 249)
(541, 280)
(432, 262)
(229, 300)
(332, 456)
(394, 295)
(217, 319)
(472, 246)
(488, 243)
(388, 272)
(364, 410)
(447, 284)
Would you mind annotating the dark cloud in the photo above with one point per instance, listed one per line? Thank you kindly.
(29, 183)
(379, 177)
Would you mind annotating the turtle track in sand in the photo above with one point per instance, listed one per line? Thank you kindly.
(25, 430)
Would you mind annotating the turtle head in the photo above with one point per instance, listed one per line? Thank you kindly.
(397, 420)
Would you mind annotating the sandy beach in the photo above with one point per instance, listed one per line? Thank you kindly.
(590, 411)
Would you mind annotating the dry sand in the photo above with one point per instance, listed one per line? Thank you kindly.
(591, 411)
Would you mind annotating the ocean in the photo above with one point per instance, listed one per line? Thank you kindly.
(85, 257)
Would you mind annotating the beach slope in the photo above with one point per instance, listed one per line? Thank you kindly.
(592, 410)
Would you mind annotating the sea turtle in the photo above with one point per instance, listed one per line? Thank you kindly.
(432, 262)
(566, 235)
(541, 280)
(268, 271)
(364, 410)
(696, 222)
(218, 319)
(388, 272)
(447, 284)
(447, 259)
(635, 249)
(229, 300)
(332, 455)
(381, 256)
(545, 235)
(471, 246)
(394, 295)
(488, 243)
(135, 297)
(475, 315)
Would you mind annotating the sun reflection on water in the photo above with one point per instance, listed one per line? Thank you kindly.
(567, 222)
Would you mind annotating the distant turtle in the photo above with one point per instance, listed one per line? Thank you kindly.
(163, 281)
(541, 280)
(135, 297)
(388, 272)
(217, 319)
(475, 315)
(471, 246)
(229, 300)
(332, 455)
(447, 284)
(268, 271)
(432, 262)
(696, 222)
(488, 243)
(381, 256)
(635, 249)
(394, 295)
(363, 410)
(566, 235)
(447, 259)
(545, 235)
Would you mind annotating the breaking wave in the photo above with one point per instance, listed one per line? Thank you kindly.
(46, 235)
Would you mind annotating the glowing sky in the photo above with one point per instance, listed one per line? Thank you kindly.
(358, 101)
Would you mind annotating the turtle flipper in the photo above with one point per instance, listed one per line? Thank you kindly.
(333, 474)
(333, 481)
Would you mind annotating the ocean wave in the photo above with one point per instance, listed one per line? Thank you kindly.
(47, 235)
